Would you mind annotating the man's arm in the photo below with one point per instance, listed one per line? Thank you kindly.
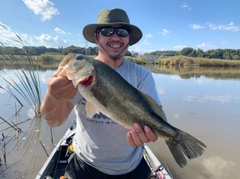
(56, 105)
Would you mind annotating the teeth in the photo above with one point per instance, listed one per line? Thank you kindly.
(115, 46)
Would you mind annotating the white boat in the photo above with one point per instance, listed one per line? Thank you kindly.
(54, 166)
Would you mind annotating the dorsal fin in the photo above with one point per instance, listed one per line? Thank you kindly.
(155, 106)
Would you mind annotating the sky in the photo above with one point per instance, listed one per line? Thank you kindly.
(166, 24)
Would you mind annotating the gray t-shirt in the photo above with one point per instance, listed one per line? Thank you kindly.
(101, 142)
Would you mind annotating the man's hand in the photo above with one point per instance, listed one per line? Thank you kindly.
(61, 89)
(138, 135)
(56, 105)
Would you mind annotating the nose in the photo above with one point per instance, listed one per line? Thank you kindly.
(115, 35)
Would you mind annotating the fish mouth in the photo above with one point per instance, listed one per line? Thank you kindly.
(86, 81)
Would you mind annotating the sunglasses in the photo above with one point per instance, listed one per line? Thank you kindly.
(109, 31)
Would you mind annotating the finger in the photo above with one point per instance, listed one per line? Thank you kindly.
(60, 81)
(141, 133)
(130, 139)
(150, 134)
(136, 138)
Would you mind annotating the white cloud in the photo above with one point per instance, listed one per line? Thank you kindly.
(176, 77)
(176, 115)
(142, 47)
(161, 91)
(218, 167)
(45, 76)
(196, 26)
(179, 47)
(228, 27)
(185, 5)
(146, 42)
(149, 35)
(59, 31)
(162, 49)
(223, 99)
(6, 34)
(43, 7)
(50, 41)
(9, 38)
(26, 40)
(206, 46)
(190, 97)
(4, 27)
(164, 32)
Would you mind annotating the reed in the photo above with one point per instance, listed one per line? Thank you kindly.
(28, 83)
(13, 126)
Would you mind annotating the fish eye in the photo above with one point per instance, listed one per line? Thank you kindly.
(79, 57)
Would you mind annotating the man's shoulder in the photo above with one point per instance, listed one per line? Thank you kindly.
(136, 66)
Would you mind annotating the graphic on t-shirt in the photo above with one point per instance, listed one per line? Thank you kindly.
(99, 118)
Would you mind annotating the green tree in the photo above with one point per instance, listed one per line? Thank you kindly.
(200, 53)
(186, 51)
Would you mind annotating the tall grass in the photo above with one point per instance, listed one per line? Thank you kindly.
(196, 61)
(29, 84)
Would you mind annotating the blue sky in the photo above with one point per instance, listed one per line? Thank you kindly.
(166, 24)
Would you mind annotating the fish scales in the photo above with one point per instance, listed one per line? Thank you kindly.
(107, 92)
(121, 99)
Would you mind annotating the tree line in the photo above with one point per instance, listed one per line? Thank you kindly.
(229, 54)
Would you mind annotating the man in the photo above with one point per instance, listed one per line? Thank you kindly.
(103, 148)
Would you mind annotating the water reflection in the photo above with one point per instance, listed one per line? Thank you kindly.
(219, 168)
(18, 146)
(204, 102)
(194, 71)
(207, 108)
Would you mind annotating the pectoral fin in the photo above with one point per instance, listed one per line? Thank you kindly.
(91, 109)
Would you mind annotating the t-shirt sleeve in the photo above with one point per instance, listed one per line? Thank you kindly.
(76, 99)
(147, 85)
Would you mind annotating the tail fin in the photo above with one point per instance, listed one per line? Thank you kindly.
(186, 144)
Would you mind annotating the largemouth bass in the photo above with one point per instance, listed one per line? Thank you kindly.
(107, 92)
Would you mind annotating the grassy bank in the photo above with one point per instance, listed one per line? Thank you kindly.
(192, 61)
(52, 61)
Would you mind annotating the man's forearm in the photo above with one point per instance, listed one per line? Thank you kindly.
(55, 112)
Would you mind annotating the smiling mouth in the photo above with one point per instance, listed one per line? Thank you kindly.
(115, 46)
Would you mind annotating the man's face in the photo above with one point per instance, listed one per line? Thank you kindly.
(113, 40)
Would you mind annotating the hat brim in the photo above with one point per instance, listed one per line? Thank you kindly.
(90, 29)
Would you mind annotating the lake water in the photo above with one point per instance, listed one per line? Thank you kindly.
(204, 104)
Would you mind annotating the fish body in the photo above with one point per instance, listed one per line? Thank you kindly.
(107, 92)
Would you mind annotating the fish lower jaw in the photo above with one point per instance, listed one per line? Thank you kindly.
(86, 81)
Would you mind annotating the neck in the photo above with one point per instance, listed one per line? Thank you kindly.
(109, 61)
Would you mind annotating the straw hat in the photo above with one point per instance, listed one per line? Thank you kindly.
(112, 17)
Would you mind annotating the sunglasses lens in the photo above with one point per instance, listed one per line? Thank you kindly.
(107, 31)
(122, 32)
(110, 31)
